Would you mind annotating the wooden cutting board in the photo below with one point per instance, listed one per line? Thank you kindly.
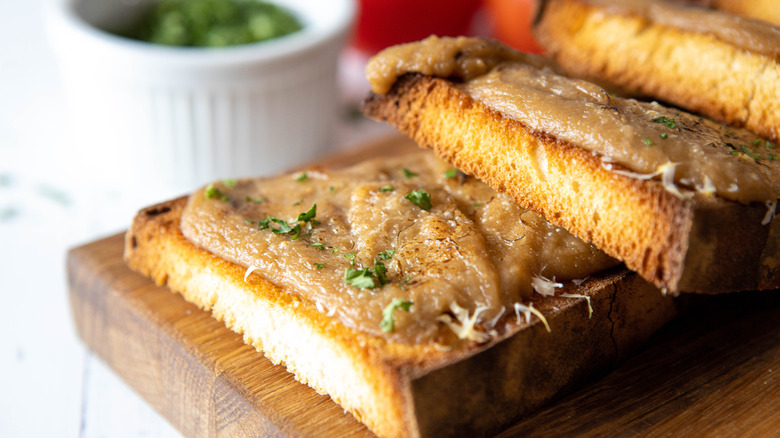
(713, 372)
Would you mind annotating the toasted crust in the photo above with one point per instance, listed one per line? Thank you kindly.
(700, 244)
(694, 69)
(399, 390)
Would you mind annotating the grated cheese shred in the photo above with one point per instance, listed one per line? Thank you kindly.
(249, 271)
(545, 286)
(587, 298)
(666, 171)
(527, 311)
(771, 207)
(463, 325)
(708, 189)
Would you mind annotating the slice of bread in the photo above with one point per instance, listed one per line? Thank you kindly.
(698, 243)
(401, 390)
(707, 61)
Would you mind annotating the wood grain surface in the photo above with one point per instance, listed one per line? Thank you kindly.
(713, 372)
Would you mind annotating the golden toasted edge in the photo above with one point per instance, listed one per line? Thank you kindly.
(692, 70)
(637, 222)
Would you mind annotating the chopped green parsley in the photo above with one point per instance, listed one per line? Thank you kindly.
(211, 23)
(256, 201)
(386, 188)
(302, 177)
(388, 314)
(360, 278)
(647, 141)
(292, 228)
(450, 173)
(367, 278)
(669, 122)
(212, 192)
(749, 152)
(386, 254)
(408, 173)
(420, 198)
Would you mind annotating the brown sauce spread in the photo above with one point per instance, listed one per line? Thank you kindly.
(751, 35)
(645, 138)
(472, 248)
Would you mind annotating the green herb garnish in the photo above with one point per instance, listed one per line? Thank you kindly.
(309, 215)
(388, 314)
(302, 177)
(647, 141)
(380, 271)
(360, 278)
(318, 245)
(408, 173)
(386, 189)
(664, 136)
(350, 257)
(366, 278)
(292, 228)
(319, 265)
(770, 145)
(669, 122)
(211, 23)
(749, 152)
(386, 254)
(256, 201)
(420, 198)
(212, 192)
(450, 173)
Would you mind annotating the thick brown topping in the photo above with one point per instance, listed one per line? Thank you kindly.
(747, 34)
(374, 239)
(649, 140)
(456, 58)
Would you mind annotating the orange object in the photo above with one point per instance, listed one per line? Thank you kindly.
(511, 21)
(383, 23)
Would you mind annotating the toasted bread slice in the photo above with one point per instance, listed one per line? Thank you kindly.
(402, 390)
(707, 61)
(695, 243)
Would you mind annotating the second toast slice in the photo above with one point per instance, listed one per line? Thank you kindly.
(690, 239)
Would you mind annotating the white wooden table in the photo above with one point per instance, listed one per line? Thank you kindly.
(50, 385)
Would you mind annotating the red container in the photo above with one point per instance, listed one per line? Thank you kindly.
(383, 23)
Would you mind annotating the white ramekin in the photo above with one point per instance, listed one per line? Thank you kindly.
(151, 117)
